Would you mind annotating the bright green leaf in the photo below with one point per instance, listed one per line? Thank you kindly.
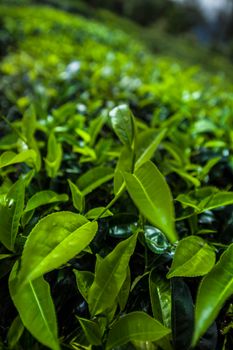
(94, 178)
(35, 306)
(77, 197)
(43, 198)
(149, 191)
(193, 257)
(110, 276)
(123, 124)
(9, 158)
(215, 288)
(56, 239)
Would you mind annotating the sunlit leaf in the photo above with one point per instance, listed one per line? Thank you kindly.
(151, 194)
(193, 257)
(56, 239)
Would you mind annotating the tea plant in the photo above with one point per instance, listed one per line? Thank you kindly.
(115, 199)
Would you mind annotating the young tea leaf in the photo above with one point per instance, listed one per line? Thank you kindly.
(11, 211)
(149, 191)
(215, 288)
(78, 198)
(193, 257)
(123, 124)
(56, 239)
(110, 276)
(135, 326)
(43, 198)
(35, 306)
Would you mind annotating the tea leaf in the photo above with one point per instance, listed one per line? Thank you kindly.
(110, 276)
(15, 332)
(94, 178)
(135, 326)
(215, 288)
(147, 143)
(151, 194)
(54, 156)
(56, 239)
(9, 158)
(35, 306)
(43, 198)
(77, 197)
(11, 211)
(193, 257)
(123, 124)
(91, 330)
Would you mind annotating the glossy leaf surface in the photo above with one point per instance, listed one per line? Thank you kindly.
(193, 257)
(56, 239)
(35, 306)
(215, 288)
(136, 326)
(123, 124)
(110, 276)
(43, 198)
(151, 194)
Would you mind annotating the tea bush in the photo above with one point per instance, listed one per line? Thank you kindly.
(116, 173)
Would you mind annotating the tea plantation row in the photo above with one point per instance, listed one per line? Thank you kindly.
(116, 198)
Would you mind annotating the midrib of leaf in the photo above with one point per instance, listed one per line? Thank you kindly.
(52, 251)
(40, 309)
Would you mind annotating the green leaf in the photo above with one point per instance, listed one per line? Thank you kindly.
(77, 197)
(96, 213)
(160, 296)
(182, 314)
(147, 143)
(125, 163)
(149, 191)
(215, 288)
(193, 257)
(94, 178)
(10, 212)
(135, 326)
(110, 276)
(219, 199)
(54, 156)
(9, 158)
(28, 130)
(43, 198)
(91, 330)
(35, 306)
(84, 281)
(15, 332)
(123, 124)
(123, 295)
(56, 239)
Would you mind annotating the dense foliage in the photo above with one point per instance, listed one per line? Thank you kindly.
(116, 173)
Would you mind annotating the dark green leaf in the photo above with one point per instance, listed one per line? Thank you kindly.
(136, 326)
